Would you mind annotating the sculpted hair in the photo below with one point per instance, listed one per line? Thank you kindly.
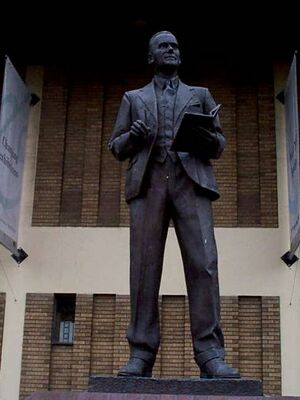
(158, 34)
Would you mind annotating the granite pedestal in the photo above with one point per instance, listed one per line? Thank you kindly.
(176, 386)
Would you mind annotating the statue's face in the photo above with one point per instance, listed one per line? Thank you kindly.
(164, 51)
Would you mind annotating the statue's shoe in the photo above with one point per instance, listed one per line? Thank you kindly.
(218, 369)
(136, 367)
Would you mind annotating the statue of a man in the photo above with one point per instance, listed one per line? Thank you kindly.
(161, 185)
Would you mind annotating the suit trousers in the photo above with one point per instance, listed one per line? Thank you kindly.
(170, 194)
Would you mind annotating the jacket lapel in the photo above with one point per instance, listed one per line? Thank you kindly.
(184, 95)
(147, 94)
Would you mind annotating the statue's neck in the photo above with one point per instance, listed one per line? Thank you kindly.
(166, 72)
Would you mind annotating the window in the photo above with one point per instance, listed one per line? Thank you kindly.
(64, 317)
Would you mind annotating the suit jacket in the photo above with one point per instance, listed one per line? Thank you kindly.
(141, 104)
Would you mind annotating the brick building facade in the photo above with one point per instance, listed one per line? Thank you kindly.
(251, 328)
(74, 225)
(78, 183)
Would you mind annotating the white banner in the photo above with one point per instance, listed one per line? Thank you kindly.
(13, 131)
(292, 141)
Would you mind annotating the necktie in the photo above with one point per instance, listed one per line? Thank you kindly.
(169, 90)
(169, 95)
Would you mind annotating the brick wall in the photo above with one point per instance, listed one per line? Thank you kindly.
(271, 362)
(172, 336)
(82, 341)
(251, 327)
(61, 367)
(103, 334)
(36, 354)
(79, 183)
(250, 339)
(2, 312)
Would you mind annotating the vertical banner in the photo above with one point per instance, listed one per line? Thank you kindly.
(15, 106)
(292, 144)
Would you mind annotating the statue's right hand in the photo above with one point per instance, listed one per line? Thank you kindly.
(139, 129)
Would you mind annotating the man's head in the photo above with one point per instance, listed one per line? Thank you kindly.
(164, 51)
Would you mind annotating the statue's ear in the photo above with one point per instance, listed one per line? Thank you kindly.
(150, 58)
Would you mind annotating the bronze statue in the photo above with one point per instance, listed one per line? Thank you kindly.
(162, 184)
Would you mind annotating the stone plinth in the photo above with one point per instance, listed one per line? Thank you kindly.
(58, 395)
(176, 386)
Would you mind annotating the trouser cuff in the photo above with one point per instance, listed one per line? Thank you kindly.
(209, 354)
(143, 355)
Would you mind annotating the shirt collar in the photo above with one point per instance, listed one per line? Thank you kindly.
(161, 82)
